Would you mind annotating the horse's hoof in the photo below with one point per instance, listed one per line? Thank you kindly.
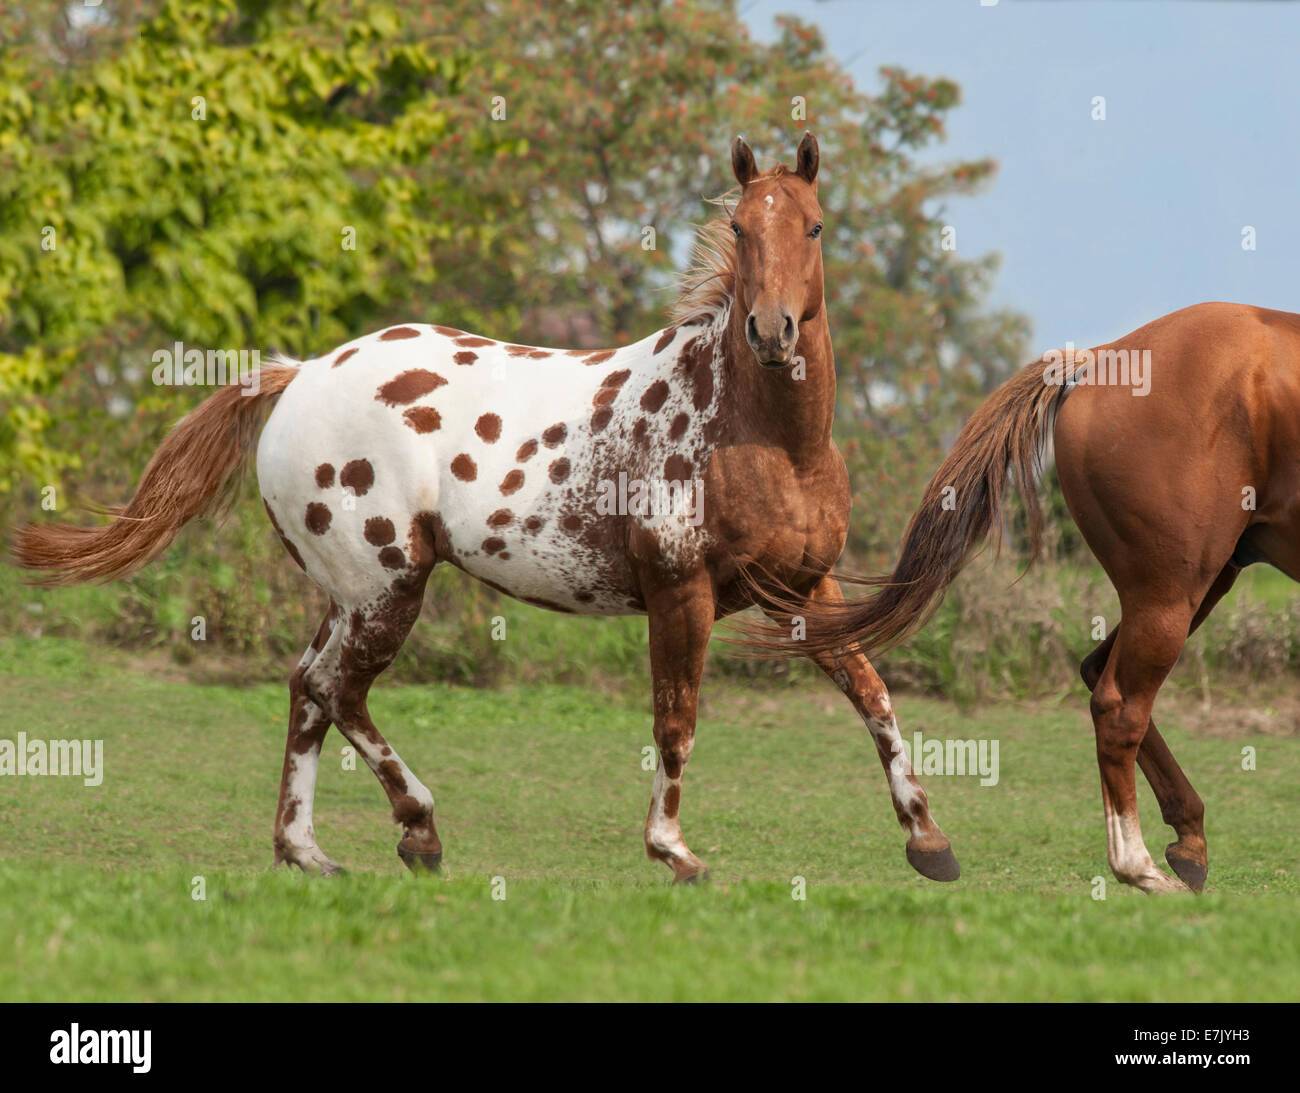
(1192, 873)
(701, 876)
(419, 861)
(940, 865)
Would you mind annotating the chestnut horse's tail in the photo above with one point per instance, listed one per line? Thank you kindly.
(963, 502)
(193, 471)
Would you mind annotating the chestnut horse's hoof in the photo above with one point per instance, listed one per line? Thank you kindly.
(940, 865)
(700, 876)
(419, 861)
(1191, 872)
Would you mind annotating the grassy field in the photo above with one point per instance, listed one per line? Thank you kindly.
(543, 787)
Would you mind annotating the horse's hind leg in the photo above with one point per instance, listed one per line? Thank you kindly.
(363, 645)
(1180, 805)
(295, 836)
(1147, 644)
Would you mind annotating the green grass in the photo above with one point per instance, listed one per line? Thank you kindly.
(543, 786)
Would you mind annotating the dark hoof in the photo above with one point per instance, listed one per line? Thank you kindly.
(420, 861)
(1191, 873)
(938, 865)
(701, 877)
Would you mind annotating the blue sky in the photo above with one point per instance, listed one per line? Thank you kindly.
(1104, 225)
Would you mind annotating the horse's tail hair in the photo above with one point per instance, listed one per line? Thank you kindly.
(1003, 440)
(194, 472)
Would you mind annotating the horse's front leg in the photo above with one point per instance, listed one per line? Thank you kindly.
(928, 849)
(681, 618)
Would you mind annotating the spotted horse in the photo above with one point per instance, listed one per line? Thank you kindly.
(537, 471)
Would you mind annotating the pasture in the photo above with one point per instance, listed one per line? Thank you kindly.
(542, 788)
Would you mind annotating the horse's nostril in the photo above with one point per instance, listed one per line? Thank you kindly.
(788, 334)
(751, 329)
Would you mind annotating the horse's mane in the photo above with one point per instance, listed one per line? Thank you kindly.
(706, 287)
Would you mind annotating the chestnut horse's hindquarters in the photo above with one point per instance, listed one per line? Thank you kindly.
(962, 504)
(193, 471)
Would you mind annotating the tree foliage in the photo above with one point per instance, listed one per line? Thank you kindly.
(529, 170)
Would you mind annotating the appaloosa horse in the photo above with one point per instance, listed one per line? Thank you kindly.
(1178, 452)
(543, 472)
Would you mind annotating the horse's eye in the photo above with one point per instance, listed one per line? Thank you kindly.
(735, 229)
(815, 232)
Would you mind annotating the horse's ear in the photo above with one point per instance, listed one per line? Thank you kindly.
(809, 158)
(742, 162)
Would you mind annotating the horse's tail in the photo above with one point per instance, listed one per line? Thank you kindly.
(1004, 438)
(194, 470)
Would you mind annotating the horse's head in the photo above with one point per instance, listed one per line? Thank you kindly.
(777, 224)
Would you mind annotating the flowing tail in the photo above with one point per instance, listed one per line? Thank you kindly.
(194, 470)
(963, 502)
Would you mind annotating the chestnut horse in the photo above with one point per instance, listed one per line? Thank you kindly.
(654, 479)
(1178, 452)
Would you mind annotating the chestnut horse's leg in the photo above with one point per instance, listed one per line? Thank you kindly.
(1148, 640)
(1180, 805)
(928, 849)
(295, 837)
(681, 618)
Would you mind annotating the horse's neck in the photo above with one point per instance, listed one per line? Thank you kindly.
(794, 406)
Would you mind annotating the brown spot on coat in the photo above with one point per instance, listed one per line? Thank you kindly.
(391, 557)
(449, 331)
(380, 531)
(678, 427)
(398, 333)
(527, 450)
(465, 357)
(409, 386)
(604, 396)
(500, 518)
(677, 468)
(358, 476)
(493, 545)
(423, 419)
(616, 379)
(554, 436)
(665, 338)
(600, 356)
(325, 475)
(512, 482)
(672, 801)
(601, 418)
(639, 430)
(344, 356)
(317, 518)
(655, 396)
(488, 428)
(471, 341)
(559, 470)
(534, 523)
(464, 468)
(572, 522)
